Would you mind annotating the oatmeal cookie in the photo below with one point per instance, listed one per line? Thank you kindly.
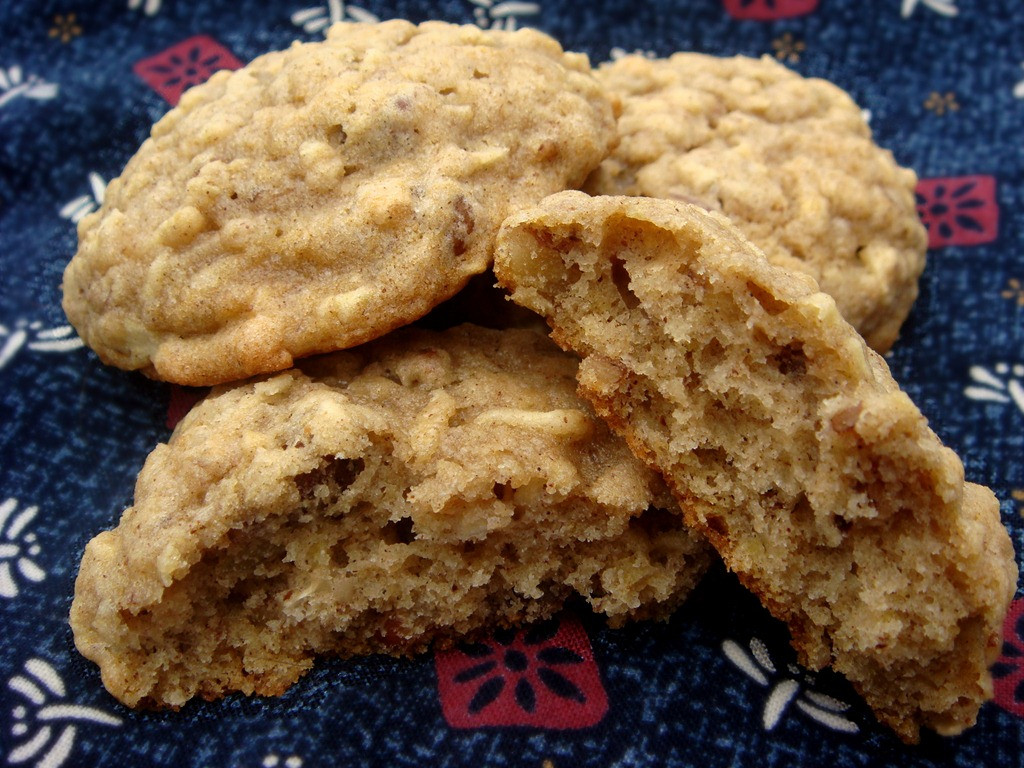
(788, 159)
(785, 440)
(326, 194)
(418, 488)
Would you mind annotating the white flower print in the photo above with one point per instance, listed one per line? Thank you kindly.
(83, 205)
(13, 84)
(319, 18)
(149, 7)
(1003, 384)
(619, 53)
(34, 336)
(44, 722)
(504, 15)
(943, 7)
(797, 689)
(18, 548)
(1018, 90)
(272, 760)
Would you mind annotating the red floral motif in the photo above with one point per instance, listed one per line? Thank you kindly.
(181, 401)
(768, 10)
(190, 62)
(958, 210)
(542, 676)
(1009, 669)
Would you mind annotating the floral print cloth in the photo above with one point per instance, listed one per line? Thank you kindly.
(81, 82)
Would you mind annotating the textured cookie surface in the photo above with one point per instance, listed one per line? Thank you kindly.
(786, 442)
(788, 159)
(325, 194)
(416, 489)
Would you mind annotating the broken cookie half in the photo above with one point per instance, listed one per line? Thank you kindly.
(785, 440)
(416, 489)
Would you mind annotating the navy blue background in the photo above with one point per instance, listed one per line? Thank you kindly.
(73, 433)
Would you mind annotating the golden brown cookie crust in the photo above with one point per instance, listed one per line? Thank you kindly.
(788, 159)
(419, 488)
(325, 194)
(785, 440)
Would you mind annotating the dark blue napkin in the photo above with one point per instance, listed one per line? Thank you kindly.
(80, 84)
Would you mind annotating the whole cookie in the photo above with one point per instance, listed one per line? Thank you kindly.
(788, 159)
(418, 488)
(325, 194)
(785, 440)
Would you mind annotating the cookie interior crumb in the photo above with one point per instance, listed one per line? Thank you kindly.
(786, 442)
(415, 490)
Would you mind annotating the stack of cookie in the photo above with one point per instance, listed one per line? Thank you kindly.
(403, 486)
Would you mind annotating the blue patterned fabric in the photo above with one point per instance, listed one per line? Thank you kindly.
(80, 84)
